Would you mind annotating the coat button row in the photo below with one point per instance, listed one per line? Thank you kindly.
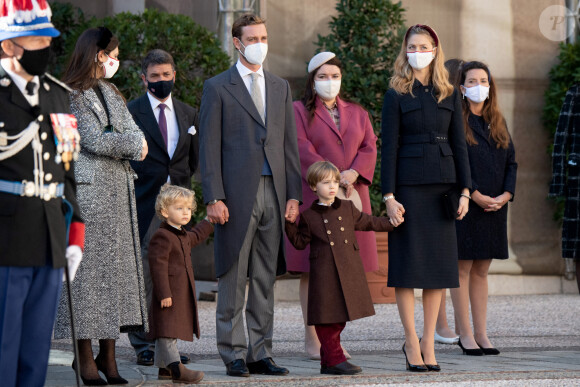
(328, 232)
(332, 243)
(339, 142)
(342, 229)
(345, 241)
(340, 218)
(325, 220)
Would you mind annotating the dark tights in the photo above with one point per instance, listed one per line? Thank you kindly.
(105, 358)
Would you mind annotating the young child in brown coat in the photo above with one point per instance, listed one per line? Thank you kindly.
(173, 310)
(337, 288)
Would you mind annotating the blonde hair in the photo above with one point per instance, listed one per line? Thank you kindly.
(319, 170)
(404, 77)
(169, 194)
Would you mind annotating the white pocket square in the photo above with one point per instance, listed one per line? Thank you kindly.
(192, 130)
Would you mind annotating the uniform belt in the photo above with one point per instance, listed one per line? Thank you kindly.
(27, 188)
(431, 138)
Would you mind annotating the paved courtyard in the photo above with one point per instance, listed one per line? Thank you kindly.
(539, 336)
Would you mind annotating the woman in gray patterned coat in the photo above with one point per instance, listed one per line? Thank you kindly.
(108, 291)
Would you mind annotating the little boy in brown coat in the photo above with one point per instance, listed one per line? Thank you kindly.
(173, 310)
(337, 288)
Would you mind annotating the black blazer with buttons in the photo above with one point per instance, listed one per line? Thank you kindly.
(423, 142)
(153, 171)
(32, 230)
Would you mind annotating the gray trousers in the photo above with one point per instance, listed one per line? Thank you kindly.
(258, 259)
(167, 352)
(139, 340)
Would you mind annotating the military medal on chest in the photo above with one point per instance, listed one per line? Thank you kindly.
(66, 138)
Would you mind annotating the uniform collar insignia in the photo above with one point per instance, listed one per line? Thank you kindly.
(5, 82)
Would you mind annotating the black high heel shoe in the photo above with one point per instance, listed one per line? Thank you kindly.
(488, 351)
(413, 367)
(88, 382)
(470, 352)
(110, 379)
(430, 367)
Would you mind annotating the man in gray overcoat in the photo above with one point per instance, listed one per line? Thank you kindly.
(251, 181)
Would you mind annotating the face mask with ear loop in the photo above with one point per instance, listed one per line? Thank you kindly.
(477, 93)
(34, 62)
(254, 53)
(110, 67)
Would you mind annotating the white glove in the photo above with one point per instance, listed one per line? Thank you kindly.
(74, 256)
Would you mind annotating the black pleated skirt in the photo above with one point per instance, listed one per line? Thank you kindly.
(423, 250)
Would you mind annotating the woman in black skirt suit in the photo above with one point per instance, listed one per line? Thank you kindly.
(424, 155)
(482, 235)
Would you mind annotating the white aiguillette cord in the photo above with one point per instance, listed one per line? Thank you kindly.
(21, 140)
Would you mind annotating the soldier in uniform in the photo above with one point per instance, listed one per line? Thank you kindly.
(38, 143)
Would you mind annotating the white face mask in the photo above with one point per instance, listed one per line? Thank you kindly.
(327, 90)
(419, 60)
(477, 93)
(110, 67)
(255, 53)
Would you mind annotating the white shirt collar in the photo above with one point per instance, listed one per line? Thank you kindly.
(243, 70)
(18, 80)
(155, 102)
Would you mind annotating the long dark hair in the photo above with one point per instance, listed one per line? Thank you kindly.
(82, 70)
(491, 112)
(309, 97)
(454, 66)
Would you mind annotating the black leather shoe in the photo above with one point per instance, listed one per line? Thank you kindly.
(344, 368)
(146, 358)
(413, 367)
(470, 352)
(488, 351)
(266, 366)
(184, 359)
(237, 368)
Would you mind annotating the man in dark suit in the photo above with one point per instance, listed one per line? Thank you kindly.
(251, 181)
(170, 130)
(38, 141)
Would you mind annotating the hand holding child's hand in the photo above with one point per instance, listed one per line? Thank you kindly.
(166, 303)
(291, 210)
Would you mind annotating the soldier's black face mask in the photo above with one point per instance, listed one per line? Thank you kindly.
(34, 62)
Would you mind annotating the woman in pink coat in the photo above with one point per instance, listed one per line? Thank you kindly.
(329, 128)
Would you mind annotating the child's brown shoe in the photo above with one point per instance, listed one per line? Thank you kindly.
(181, 374)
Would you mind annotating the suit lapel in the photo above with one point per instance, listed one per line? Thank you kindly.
(95, 105)
(322, 112)
(16, 96)
(273, 97)
(150, 124)
(182, 124)
(481, 133)
(238, 90)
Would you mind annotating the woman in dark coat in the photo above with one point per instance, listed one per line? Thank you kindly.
(566, 173)
(482, 235)
(424, 156)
